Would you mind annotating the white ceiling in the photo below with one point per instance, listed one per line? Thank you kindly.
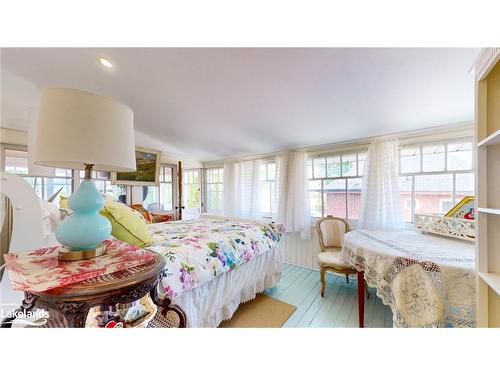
(216, 103)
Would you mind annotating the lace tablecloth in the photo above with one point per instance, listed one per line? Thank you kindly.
(428, 281)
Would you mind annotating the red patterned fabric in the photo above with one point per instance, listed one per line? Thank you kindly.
(160, 218)
(40, 270)
(145, 213)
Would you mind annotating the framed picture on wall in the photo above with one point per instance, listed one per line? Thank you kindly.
(148, 169)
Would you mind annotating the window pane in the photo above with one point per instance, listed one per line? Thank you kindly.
(151, 203)
(354, 186)
(332, 166)
(460, 156)
(309, 168)
(271, 171)
(361, 163)
(405, 183)
(433, 158)
(52, 185)
(100, 185)
(118, 192)
(464, 185)
(315, 198)
(319, 167)
(410, 159)
(334, 193)
(63, 172)
(221, 175)
(433, 193)
(16, 161)
(166, 197)
(263, 172)
(349, 167)
(166, 175)
(191, 194)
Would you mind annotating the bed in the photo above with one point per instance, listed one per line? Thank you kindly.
(213, 263)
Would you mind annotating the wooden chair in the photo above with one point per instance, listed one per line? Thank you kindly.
(331, 232)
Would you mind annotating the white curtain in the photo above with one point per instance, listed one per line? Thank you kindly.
(380, 200)
(229, 195)
(292, 193)
(242, 189)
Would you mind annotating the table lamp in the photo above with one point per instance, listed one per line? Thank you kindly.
(81, 130)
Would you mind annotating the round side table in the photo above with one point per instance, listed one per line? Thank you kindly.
(74, 301)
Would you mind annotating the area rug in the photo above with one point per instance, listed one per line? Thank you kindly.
(261, 312)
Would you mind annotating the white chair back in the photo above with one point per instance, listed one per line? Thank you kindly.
(27, 231)
(331, 231)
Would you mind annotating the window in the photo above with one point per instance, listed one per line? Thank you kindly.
(215, 188)
(103, 183)
(335, 183)
(161, 198)
(16, 161)
(191, 188)
(434, 177)
(267, 188)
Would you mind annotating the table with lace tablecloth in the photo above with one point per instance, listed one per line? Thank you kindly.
(428, 281)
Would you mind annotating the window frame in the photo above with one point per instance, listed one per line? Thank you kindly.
(71, 178)
(173, 169)
(445, 171)
(359, 175)
(206, 206)
(269, 182)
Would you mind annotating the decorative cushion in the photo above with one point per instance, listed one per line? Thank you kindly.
(145, 213)
(160, 218)
(332, 259)
(128, 225)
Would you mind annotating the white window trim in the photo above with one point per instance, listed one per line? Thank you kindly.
(359, 174)
(205, 204)
(445, 171)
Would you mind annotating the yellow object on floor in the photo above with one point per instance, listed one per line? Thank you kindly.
(261, 312)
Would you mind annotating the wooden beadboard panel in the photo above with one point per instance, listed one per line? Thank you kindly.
(300, 252)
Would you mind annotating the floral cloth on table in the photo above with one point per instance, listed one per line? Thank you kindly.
(428, 281)
(40, 270)
(198, 250)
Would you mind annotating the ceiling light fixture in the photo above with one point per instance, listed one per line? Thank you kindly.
(105, 62)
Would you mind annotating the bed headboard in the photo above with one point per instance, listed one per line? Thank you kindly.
(27, 230)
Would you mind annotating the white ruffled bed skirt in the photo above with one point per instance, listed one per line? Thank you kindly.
(217, 300)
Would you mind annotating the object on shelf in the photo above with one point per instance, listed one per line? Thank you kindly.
(464, 209)
(463, 229)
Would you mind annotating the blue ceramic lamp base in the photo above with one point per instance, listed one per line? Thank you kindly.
(86, 228)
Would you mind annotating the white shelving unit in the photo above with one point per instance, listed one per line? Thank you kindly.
(487, 71)
(492, 279)
(493, 211)
(490, 140)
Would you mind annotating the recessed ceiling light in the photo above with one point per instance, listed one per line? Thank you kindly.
(105, 62)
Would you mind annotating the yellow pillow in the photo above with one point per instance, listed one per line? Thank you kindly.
(63, 202)
(128, 225)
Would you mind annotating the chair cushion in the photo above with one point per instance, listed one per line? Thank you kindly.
(332, 259)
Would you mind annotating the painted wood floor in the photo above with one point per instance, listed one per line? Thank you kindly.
(339, 308)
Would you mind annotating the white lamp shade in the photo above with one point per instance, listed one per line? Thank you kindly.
(77, 127)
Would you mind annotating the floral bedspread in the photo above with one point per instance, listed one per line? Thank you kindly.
(196, 251)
